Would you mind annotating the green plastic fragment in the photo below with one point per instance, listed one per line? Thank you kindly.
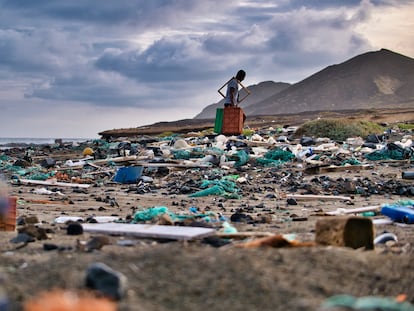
(351, 161)
(228, 228)
(367, 303)
(242, 158)
(276, 157)
(150, 213)
(223, 187)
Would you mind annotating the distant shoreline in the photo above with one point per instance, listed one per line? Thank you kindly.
(27, 141)
(379, 115)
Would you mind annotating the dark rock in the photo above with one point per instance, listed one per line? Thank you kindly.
(373, 138)
(349, 186)
(74, 228)
(240, 217)
(215, 241)
(307, 141)
(91, 220)
(261, 205)
(50, 247)
(370, 145)
(110, 283)
(291, 201)
(22, 163)
(48, 163)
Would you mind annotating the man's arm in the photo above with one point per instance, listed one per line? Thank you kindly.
(232, 90)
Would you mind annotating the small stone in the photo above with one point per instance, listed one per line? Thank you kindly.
(31, 220)
(264, 219)
(292, 201)
(240, 217)
(105, 280)
(349, 186)
(50, 247)
(36, 232)
(74, 228)
(97, 243)
(21, 163)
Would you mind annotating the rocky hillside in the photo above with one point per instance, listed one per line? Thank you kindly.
(380, 79)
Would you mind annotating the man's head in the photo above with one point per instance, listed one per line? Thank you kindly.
(241, 74)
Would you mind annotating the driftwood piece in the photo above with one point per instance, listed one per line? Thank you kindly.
(316, 197)
(342, 211)
(353, 232)
(51, 183)
(182, 165)
(331, 169)
(243, 235)
(150, 231)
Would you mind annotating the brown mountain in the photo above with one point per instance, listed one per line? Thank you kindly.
(377, 85)
(380, 79)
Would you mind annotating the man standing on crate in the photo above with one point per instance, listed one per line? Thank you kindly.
(232, 94)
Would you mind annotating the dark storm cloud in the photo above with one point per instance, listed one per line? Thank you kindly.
(112, 14)
(165, 60)
(93, 51)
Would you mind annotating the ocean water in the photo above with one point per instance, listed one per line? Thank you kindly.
(13, 141)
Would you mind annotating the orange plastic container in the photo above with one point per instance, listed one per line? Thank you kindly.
(233, 121)
(8, 221)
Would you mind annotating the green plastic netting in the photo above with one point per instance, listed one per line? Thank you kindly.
(276, 157)
(223, 187)
(387, 154)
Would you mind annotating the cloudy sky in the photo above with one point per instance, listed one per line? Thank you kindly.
(71, 68)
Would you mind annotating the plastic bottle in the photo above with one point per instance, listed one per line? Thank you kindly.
(398, 213)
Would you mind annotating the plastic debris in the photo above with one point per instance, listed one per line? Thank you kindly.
(400, 212)
(385, 237)
(228, 228)
(367, 303)
(276, 157)
(391, 151)
(150, 213)
(223, 187)
(65, 300)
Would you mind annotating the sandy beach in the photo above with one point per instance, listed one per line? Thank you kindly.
(214, 272)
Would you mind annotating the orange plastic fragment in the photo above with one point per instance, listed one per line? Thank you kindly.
(59, 300)
(401, 298)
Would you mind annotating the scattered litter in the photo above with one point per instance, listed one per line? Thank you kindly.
(44, 191)
(367, 303)
(67, 300)
(400, 212)
(385, 237)
(150, 231)
(108, 282)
